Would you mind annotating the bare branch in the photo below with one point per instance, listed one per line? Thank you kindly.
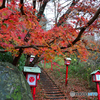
(64, 17)
(3, 51)
(79, 28)
(30, 46)
(22, 4)
(42, 8)
(3, 4)
(83, 29)
(34, 4)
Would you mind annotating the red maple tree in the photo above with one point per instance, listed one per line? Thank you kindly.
(20, 31)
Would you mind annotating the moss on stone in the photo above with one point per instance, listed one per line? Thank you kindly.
(13, 85)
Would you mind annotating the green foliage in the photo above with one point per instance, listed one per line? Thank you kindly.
(63, 70)
(59, 60)
(21, 62)
(79, 69)
(6, 57)
(47, 65)
(16, 95)
(58, 74)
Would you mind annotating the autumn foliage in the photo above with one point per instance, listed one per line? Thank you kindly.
(22, 30)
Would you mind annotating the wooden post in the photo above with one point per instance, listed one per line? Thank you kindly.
(66, 81)
(33, 91)
(98, 90)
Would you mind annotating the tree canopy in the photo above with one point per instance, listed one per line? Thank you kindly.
(21, 32)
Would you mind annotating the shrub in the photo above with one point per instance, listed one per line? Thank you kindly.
(21, 62)
(6, 57)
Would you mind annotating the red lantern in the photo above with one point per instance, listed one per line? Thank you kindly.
(96, 78)
(32, 75)
(32, 58)
(67, 62)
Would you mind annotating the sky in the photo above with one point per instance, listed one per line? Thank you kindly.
(50, 11)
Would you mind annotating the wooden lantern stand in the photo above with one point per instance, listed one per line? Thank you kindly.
(96, 78)
(67, 63)
(32, 75)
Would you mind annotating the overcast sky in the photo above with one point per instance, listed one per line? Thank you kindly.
(50, 11)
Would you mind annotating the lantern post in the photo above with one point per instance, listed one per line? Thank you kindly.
(32, 75)
(67, 63)
(96, 78)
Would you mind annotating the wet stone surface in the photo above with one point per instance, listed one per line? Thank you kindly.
(13, 85)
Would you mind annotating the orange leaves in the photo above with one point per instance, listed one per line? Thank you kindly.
(48, 56)
(4, 13)
(20, 5)
(0, 2)
(9, 68)
(15, 28)
(81, 51)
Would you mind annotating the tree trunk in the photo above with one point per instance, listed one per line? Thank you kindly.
(27, 60)
(22, 4)
(15, 61)
(3, 4)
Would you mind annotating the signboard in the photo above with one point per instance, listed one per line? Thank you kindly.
(98, 77)
(32, 79)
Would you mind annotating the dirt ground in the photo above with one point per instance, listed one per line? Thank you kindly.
(74, 84)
